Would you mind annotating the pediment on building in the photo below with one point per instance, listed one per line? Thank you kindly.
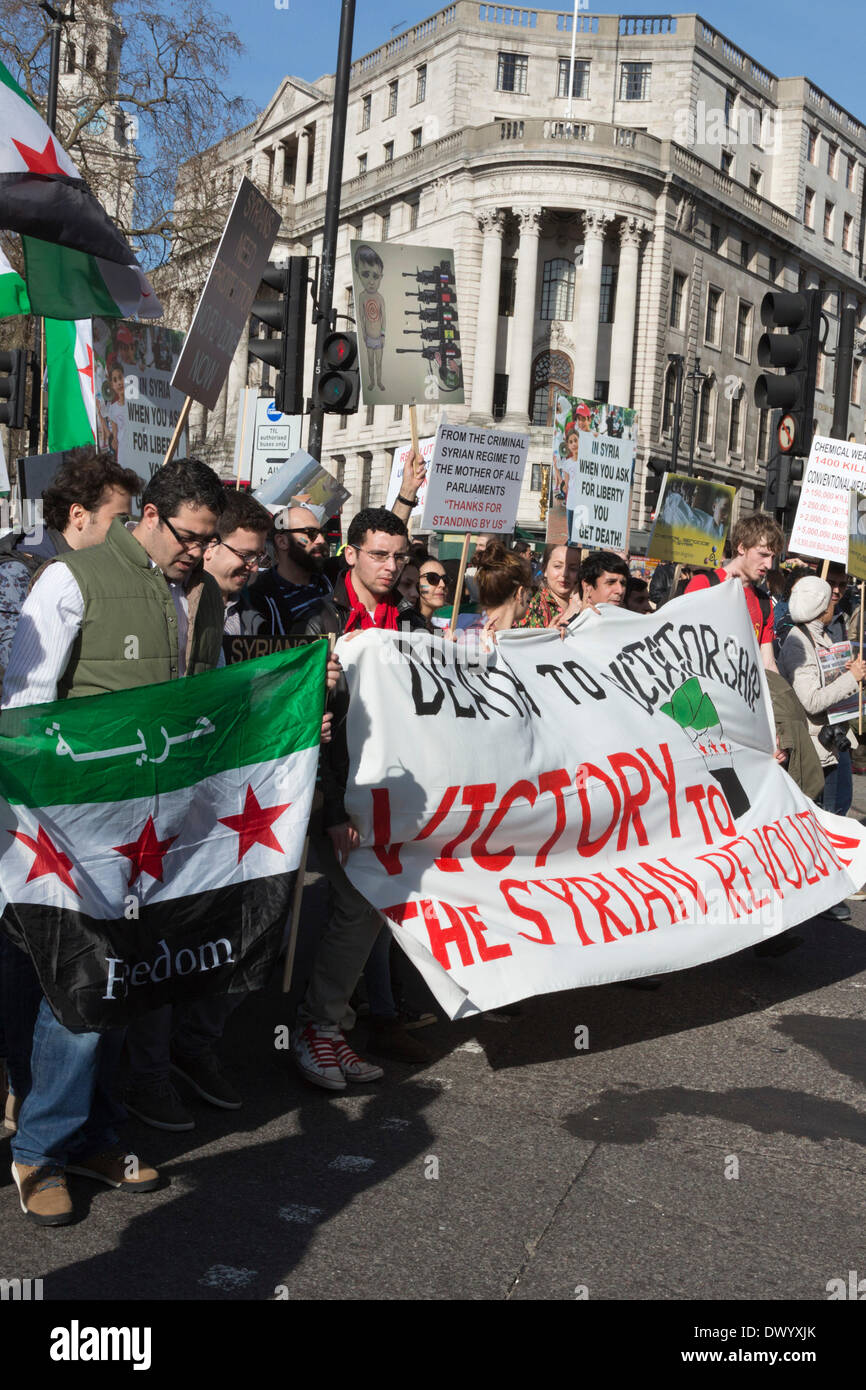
(294, 98)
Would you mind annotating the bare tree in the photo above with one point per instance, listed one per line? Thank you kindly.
(141, 92)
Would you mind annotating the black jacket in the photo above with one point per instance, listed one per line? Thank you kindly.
(331, 617)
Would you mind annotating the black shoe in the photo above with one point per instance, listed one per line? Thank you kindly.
(840, 912)
(389, 1038)
(204, 1075)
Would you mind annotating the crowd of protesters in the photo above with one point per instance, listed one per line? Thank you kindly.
(202, 563)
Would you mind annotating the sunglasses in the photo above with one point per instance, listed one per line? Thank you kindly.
(431, 580)
(311, 532)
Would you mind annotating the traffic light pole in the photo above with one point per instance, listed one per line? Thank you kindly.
(332, 210)
(844, 364)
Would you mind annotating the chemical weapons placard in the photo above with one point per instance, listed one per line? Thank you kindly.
(407, 323)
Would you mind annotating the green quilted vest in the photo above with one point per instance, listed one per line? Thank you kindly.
(129, 633)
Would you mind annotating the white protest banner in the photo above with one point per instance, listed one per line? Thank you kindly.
(474, 482)
(821, 523)
(395, 481)
(576, 812)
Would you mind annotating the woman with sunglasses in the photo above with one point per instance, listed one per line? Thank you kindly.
(432, 589)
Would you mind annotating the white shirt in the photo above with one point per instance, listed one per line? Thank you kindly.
(50, 621)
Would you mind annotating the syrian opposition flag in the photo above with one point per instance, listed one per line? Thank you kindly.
(14, 298)
(78, 263)
(69, 384)
(148, 837)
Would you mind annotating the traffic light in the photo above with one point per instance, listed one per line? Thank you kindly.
(288, 316)
(338, 383)
(13, 384)
(797, 352)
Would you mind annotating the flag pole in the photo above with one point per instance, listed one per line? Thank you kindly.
(860, 657)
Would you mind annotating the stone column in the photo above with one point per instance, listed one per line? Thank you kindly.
(301, 165)
(523, 326)
(595, 224)
(492, 224)
(622, 339)
(279, 173)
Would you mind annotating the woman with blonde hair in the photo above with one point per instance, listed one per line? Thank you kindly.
(560, 566)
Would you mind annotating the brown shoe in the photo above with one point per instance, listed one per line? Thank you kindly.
(117, 1169)
(43, 1192)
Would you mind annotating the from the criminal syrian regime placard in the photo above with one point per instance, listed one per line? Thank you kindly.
(474, 484)
(226, 300)
(821, 523)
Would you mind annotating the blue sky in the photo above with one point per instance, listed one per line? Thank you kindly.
(790, 37)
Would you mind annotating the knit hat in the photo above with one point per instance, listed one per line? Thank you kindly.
(810, 597)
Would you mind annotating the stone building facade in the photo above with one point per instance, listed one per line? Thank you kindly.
(593, 236)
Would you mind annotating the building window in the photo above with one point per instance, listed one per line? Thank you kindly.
(678, 299)
(756, 179)
(772, 268)
(500, 395)
(513, 72)
(743, 342)
(607, 302)
(715, 237)
(765, 422)
(507, 285)
(745, 254)
(602, 389)
(386, 224)
(557, 292)
(366, 111)
(366, 462)
(70, 57)
(413, 215)
(713, 324)
(847, 225)
(705, 412)
(389, 151)
(832, 159)
(669, 399)
(634, 81)
(728, 163)
(580, 82)
(90, 59)
(369, 421)
(416, 137)
(344, 420)
(392, 97)
(851, 177)
(812, 152)
(855, 380)
(809, 208)
(829, 209)
(420, 83)
(736, 425)
(536, 478)
(362, 164)
(551, 376)
(398, 413)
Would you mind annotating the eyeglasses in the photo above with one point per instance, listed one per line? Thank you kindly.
(199, 543)
(432, 580)
(381, 557)
(259, 559)
(311, 532)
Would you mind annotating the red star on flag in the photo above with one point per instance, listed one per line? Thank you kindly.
(49, 859)
(254, 824)
(40, 161)
(87, 372)
(146, 853)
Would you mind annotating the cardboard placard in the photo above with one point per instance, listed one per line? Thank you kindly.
(475, 479)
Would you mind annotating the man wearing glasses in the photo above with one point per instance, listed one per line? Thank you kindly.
(364, 597)
(235, 559)
(74, 639)
(294, 588)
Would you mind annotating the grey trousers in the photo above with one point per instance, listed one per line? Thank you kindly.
(344, 944)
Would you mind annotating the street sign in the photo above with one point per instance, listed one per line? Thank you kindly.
(787, 433)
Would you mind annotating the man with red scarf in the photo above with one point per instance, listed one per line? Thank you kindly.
(364, 597)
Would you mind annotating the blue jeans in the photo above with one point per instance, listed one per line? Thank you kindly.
(839, 785)
(69, 1111)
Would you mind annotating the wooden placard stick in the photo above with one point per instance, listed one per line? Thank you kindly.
(860, 655)
(458, 588)
(178, 430)
(413, 426)
(825, 569)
